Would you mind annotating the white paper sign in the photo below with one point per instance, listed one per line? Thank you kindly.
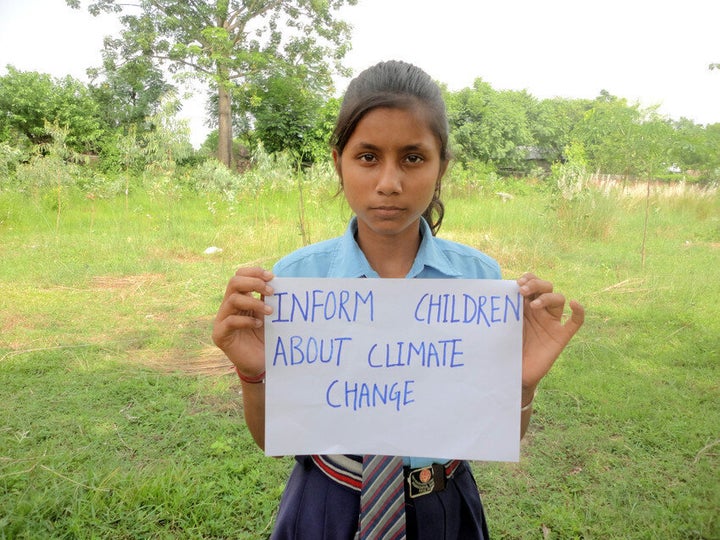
(409, 367)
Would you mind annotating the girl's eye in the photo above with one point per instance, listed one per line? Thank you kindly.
(367, 158)
(414, 159)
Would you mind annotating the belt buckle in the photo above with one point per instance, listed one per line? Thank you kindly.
(426, 480)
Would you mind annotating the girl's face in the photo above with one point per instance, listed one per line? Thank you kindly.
(389, 168)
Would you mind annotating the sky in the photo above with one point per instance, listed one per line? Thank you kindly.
(651, 52)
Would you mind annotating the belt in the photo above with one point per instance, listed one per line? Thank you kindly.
(426, 480)
(348, 472)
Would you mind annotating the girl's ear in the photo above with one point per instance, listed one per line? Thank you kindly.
(336, 161)
(443, 168)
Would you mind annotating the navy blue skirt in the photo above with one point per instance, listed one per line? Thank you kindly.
(314, 507)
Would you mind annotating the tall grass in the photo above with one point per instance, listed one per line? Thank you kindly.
(120, 420)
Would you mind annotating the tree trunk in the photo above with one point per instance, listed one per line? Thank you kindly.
(224, 127)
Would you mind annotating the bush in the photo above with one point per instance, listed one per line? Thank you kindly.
(570, 179)
(471, 177)
(10, 157)
(211, 176)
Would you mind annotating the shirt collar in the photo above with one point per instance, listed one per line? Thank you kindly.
(430, 255)
(350, 261)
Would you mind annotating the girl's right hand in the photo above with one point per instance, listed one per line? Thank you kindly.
(238, 327)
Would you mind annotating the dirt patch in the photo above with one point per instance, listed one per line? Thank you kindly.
(125, 282)
(210, 361)
(9, 323)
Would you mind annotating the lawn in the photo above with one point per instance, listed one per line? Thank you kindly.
(121, 420)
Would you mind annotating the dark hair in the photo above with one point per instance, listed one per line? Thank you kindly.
(396, 85)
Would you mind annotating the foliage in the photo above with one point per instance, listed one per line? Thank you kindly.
(122, 152)
(651, 146)
(695, 147)
(30, 100)
(605, 131)
(581, 210)
(571, 176)
(54, 165)
(289, 116)
(129, 93)
(470, 177)
(552, 121)
(10, 157)
(489, 126)
(213, 177)
(282, 172)
(232, 44)
(169, 142)
(123, 123)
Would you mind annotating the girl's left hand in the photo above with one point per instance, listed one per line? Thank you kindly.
(544, 333)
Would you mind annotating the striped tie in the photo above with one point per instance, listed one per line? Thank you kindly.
(382, 499)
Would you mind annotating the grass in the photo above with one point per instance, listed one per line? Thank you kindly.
(120, 420)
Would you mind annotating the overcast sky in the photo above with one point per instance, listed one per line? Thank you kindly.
(654, 52)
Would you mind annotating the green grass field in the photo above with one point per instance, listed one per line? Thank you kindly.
(121, 421)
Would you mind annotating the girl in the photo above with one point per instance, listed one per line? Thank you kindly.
(390, 149)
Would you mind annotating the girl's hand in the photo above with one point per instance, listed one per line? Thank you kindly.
(238, 327)
(544, 334)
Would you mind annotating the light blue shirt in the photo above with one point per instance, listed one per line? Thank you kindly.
(341, 257)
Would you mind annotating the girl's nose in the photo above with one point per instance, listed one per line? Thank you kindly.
(390, 180)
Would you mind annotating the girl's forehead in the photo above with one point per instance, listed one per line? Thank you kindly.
(411, 117)
(393, 128)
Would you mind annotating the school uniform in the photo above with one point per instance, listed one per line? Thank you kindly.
(322, 497)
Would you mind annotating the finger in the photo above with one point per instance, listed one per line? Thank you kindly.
(552, 302)
(233, 323)
(532, 286)
(577, 317)
(245, 305)
(527, 276)
(254, 271)
(247, 284)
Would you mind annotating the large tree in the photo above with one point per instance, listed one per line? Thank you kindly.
(231, 44)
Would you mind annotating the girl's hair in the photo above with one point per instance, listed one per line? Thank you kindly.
(396, 85)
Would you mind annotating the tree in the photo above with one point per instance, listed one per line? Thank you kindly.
(128, 94)
(695, 147)
(231, 44)
(288, 115)
(552, 122)
(489, 126)
(606, 132)
(29, 101)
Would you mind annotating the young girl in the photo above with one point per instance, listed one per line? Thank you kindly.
(390, 148)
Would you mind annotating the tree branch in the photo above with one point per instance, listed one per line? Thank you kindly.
(235, 21)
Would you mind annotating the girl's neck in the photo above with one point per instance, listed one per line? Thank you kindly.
(391, 256)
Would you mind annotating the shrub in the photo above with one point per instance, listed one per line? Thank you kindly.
(10, 157)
